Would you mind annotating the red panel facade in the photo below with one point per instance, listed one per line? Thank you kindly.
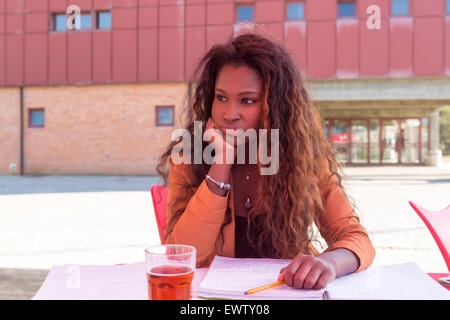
(79, 57)
(295, 43)
(58, 5)
(101, 58)
(36, 58)
(36, 22)
(269, 11)
(14, 59)
(148, 55)
(447, 45)
(36, 5)
(163, 40)
(401, 36)
(321, 10)
(2, 59)
(321, 57)
(423, 8)
(428, 46)
(217, 34)
(171, 54)
(124, 55)
(57, 58)
(347, 48)
(374, 50)
(220, 13)
(195, 48)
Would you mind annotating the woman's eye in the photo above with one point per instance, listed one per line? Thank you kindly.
(219, 98)
(248, 101)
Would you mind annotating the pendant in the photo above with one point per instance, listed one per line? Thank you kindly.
(248, 203)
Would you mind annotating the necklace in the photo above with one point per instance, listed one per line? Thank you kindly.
(248, 202)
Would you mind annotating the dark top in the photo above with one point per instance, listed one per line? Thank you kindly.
(242, 246)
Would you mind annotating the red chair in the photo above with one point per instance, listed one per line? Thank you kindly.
(159, 197)
(438, 222)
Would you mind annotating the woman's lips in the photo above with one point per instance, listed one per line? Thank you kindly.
(230, 131)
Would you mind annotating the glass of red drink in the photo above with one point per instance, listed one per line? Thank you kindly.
(170, 270)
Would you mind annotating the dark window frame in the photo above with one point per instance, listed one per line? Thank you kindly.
(30, 124)
(301, 2)
(402, 14)
(94, 20)
(157, 123)
(244, 4)
(97, 20)
(355, 5)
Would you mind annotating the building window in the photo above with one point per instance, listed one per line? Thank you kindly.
(295, 11)
(245, 13)
(86, 21)
(59, 22)
(36, 118)
(399, 7)
(103, 20)
(164, 116)
(346, 9)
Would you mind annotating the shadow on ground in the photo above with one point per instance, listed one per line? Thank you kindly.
(20, 284)
(77, 183)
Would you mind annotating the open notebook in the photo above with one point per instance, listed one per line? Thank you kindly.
(229, 278)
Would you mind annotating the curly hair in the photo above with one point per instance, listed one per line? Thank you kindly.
(289, 201)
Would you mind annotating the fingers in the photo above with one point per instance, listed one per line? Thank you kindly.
(291, 270)
(322, 282)
(306, 272)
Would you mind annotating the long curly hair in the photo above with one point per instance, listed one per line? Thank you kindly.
(288, 202)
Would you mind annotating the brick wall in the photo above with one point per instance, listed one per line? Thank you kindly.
(9, 130)
(89, 129)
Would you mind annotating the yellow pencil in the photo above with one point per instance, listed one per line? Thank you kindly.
(264, 287)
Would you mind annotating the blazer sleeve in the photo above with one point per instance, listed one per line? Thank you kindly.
(201, 213)
(339, 226)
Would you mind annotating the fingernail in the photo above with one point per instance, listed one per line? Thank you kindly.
(280, 277)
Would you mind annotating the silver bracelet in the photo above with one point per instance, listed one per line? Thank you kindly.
(220, 185)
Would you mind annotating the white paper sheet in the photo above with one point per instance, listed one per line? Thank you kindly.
(405, 281)
(99, 282)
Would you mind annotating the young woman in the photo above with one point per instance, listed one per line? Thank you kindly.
(252, 83)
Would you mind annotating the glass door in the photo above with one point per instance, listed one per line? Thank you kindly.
(339, 139)
(389, 141)
(374, 141)
(359, 141)
(408, 141)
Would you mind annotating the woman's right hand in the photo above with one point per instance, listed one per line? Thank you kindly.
(222, 147)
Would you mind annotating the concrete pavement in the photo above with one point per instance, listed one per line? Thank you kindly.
(56, 220)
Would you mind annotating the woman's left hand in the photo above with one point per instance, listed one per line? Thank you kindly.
(308, 272)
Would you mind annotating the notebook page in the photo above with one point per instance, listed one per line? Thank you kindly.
(234, 276)
(405, 281)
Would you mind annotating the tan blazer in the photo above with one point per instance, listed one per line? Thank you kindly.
(203, 214)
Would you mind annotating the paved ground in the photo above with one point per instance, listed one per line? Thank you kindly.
(55, 220)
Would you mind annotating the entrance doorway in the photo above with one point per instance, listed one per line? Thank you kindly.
(379, 140)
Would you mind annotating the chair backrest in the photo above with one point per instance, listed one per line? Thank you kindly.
(159, 197)
(438, 222)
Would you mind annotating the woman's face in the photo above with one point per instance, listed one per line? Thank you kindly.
(238, 99)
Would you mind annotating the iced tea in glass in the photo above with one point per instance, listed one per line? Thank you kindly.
(170, 270)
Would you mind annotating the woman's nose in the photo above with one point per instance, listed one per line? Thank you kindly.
(232, 112)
